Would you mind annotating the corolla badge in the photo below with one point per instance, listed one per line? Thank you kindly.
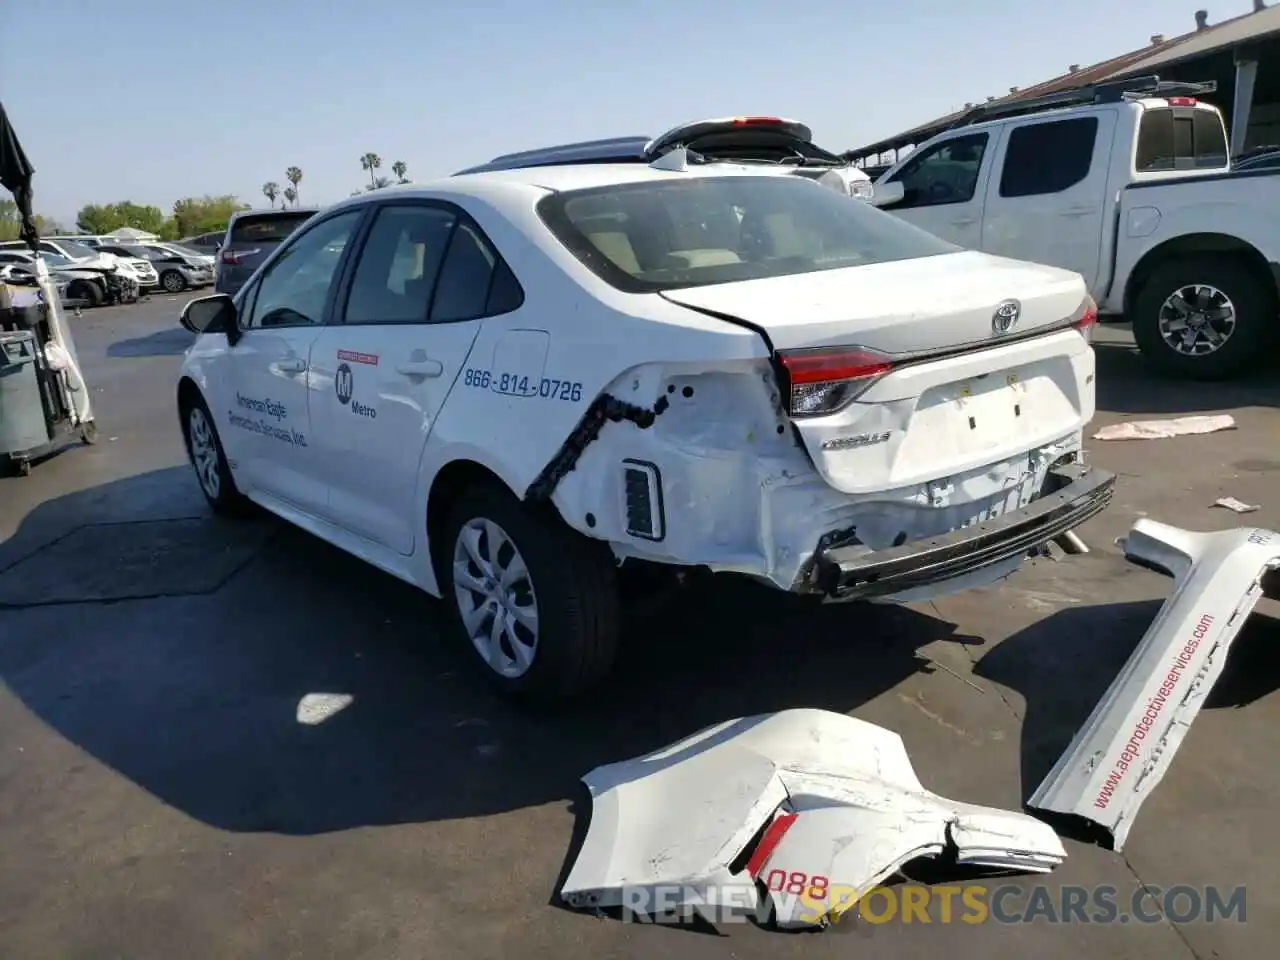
(1006, 317)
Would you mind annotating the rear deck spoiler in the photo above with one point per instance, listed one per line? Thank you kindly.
(1128, 742)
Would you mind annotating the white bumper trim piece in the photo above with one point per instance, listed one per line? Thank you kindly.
(833, 801)
(1128, 742)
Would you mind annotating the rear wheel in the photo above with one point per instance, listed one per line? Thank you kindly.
(204, 448)
(536, 602)
(1205, 318)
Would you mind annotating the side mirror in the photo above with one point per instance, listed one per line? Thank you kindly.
(887, 194)
(215, 314)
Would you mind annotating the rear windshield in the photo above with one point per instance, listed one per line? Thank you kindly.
(1184, 138)
(268, 227)
(645, 237)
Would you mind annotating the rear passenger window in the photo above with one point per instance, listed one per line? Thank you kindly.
(1184, 138)
(471, 274)
(399, 265)
(1050, 157)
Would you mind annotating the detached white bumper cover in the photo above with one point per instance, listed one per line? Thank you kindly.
(815, 807)
(1125, 747)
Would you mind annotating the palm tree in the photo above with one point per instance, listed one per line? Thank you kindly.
(371, 162)
(294, 176)
(271, 190)
(400, 168)
(291, 196)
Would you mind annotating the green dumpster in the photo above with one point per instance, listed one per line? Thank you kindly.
(22, 420)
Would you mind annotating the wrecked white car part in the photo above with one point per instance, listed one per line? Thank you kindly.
(812, 807)
(1127, 744)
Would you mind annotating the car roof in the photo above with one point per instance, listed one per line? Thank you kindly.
(269, 212)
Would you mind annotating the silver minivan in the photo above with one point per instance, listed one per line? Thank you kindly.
(250, 238)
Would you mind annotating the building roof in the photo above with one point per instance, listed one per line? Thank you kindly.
(1213, 38)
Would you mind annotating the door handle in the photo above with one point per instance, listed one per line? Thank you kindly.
(421, 368)
(292, 365)
(1078, 211)
(964, 221)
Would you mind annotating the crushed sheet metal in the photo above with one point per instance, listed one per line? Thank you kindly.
(1127, 744)
(834, 799)
(1164, 429)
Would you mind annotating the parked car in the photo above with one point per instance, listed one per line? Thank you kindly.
(251, 237)
(139, 268)
(786, 145)
(1124, 184)
(501, 386)
(86, 285)
(117, 285)
(176, 271)
(206, 242)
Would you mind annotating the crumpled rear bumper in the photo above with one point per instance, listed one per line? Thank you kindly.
(1073, 494)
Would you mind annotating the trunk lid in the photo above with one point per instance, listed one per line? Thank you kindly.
(941, 393)
(927, 304)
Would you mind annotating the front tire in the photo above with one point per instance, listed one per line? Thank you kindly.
(173, 281)
(86, 291)
(536, 602)
(1206, 318)
(204, 449)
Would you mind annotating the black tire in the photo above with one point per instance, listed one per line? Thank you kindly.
(1252, 295)
(224, 497)
(86, 291)
(574, 581)
(89, 432)
(172, 281)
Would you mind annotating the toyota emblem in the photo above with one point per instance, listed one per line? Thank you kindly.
(1006, 317)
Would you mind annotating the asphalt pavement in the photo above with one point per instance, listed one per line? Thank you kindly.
(159, 796)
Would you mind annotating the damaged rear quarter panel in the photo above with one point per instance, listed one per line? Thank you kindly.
(597, 340)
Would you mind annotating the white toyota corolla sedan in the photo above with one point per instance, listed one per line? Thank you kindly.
(508, 388)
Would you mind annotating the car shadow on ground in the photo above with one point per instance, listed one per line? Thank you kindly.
(162, 343)
(1061, 682)
(193, 693)
(1127, 384)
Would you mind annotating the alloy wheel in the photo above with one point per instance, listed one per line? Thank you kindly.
(204, 452)
(1197, 319)
(495, 597)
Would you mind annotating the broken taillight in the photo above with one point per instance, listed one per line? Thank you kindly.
(821, 380)
(1086, 319)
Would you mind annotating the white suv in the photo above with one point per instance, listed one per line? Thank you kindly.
(504, 386)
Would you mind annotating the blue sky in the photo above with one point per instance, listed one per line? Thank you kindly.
(155, 101)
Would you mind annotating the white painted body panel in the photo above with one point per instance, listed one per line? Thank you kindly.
(841, 801)
(1126, 746)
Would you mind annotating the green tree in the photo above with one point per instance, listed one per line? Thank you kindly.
(371, 162)
(207, 214)
(294, 176)
(400, 168)
(103, 218)
(271, 190)
(11, 223)
(291, 196)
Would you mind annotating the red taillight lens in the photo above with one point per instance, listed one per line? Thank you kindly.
(233, 257)
(1087, 319)
(822, 380)
(1181, 101)
(757, 121)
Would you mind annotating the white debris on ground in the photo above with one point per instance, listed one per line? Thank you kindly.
(1164, 429)
(316, 708)
(1231, 503)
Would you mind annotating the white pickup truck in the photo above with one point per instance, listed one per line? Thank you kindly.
(1128, 184)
